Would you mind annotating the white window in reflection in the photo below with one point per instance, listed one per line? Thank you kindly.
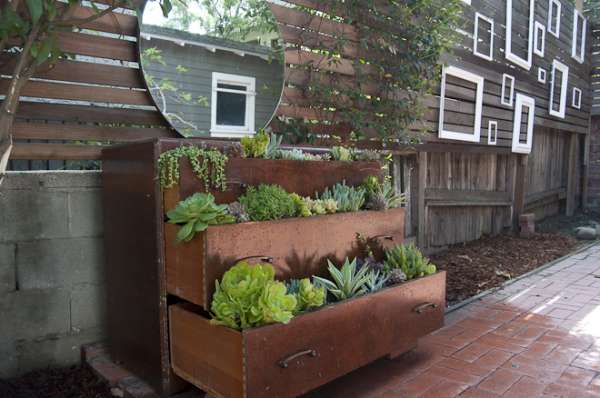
(232, 105)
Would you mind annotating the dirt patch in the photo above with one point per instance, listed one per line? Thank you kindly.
(486, 263)
(566, 225)
(73, 382)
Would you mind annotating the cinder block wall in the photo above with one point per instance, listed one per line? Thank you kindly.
(51, 268)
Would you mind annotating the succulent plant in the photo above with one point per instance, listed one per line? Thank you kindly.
(197, 212)
(249, 296)
(348, 281)
(381, 196)
(347, 198)
(301, 205)
(273, 146)
(307, 295)
(409, 260)
(268, 202)
(255, 146)
(237, 210)
(396, 276)
(341, 153)
(376, 280)
(367, 154)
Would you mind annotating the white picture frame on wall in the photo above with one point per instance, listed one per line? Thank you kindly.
(508, 90)
(471, 77)
(579, 32)
(539, 39)
(564, 81)
(524, 63)
(554, 10)
(476, 39)
(576, 101)
(522, 101)
(492, 132)
(542, 75)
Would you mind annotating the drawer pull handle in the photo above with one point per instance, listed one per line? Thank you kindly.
(284, 363)
(263, 258)
(419, 309)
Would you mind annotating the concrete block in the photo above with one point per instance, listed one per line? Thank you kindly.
(88, 306)
(55, 351)
(527, 224)
(85, 213)
(40, 179)
(9, 364)
(7, 268)
(30, 314)
(27, 215)
(59, 262)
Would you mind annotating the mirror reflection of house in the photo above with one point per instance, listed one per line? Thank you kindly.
(211, 86)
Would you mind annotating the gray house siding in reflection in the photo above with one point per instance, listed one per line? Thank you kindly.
(199, 64)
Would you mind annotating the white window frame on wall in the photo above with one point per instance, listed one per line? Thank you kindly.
(520, 102)
(506, 78)
(542, 75)
(492, 132)
(489, 56)
(539, 29)
(238, 80)
(551, 29)
(579, 57)
(466, 1)
(576, 101)
(471, 77)
(564, 69)
(514, 58)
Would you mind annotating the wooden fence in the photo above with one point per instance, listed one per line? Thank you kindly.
(459, 190)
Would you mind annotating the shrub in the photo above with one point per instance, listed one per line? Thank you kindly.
(268, 202)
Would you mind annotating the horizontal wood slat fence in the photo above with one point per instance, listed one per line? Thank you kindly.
(458, 191)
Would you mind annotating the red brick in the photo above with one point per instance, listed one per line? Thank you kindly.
(541, 371)
(474, 392)
(108, 371)
(454, 375)
(493, 359)
(563, 354)
(526, 387)
(559, 390)
(445, 389)
(463, 366)
(576, 376)
(538, 350)
(500, 381)
(504, 343)
(472, 352)
(419, 384)
(531, 332)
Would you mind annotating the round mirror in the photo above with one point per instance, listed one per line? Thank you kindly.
(213, 67)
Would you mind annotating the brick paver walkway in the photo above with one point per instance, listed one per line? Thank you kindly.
(539, 337)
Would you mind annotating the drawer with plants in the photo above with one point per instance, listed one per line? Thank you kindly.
(295, 234)
(270, 338)
(187, 169)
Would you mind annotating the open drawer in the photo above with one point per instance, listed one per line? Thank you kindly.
(314, 348)
(297, 248)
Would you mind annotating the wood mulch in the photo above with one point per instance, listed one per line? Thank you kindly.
(73, 382)
(488, 262)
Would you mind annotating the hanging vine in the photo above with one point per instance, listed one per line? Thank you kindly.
(207, 164)
(395, 62)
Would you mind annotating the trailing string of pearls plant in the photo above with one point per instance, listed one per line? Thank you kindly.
(208, 165)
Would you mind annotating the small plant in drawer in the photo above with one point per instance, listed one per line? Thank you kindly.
(268, 202)
(307, 295)
(207, 164)
(381, 196)
(255, 146)
(249, 296)
(196, 213)
(348, 198)
(348, 281)
(409, 260)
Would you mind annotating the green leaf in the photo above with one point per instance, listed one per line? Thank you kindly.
(185, 232)
(35, 8)
(166, 7)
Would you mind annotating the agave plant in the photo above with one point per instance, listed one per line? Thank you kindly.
(376, 280)
(196, 213)
(347, 281)
(348, 198)
(273, 147)
(381, 196)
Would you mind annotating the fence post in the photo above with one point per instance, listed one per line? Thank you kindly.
(572, 175)
(421, 208)
(519, 190)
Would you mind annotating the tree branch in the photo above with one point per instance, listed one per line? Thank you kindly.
(77, 22)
